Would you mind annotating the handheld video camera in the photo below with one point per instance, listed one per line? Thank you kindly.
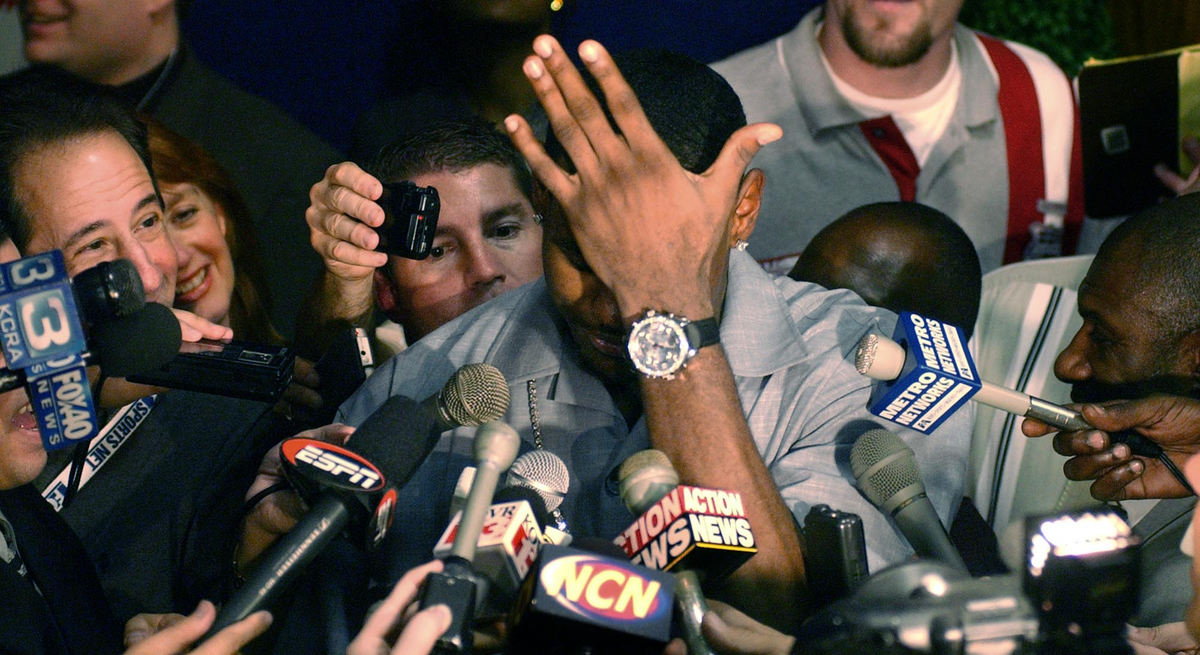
(410, 219)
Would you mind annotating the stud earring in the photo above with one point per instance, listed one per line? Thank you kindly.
(555, 5)
(741, 244)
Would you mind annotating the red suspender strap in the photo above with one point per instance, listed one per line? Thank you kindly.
(889, 143)
(1023, 140)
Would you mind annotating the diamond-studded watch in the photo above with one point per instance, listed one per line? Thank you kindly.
(661, 344)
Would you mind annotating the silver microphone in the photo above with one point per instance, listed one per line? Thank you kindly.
(887, 473)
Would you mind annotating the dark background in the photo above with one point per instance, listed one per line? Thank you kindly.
(325, 60)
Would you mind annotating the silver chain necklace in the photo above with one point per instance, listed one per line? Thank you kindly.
(534, 420)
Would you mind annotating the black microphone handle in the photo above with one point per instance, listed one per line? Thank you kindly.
(919, 523)
(283, 562)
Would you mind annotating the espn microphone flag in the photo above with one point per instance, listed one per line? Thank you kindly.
(936, 375)
(706, 527)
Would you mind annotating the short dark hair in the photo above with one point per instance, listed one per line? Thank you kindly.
(691, 107)
(40, 108)
(451, 145)
(1164, 240)
(939, 276)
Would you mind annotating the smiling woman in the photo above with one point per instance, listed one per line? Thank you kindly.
(219, 273)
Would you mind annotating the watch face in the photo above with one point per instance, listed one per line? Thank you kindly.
(658, 346)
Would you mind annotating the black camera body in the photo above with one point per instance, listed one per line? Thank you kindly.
(1078, 588)
(835, 553)
(410, 219)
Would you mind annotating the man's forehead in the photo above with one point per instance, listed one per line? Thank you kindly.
(94, 178)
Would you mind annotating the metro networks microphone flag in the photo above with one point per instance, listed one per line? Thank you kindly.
(938, 376)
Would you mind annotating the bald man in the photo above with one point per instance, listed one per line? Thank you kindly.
(904, 256)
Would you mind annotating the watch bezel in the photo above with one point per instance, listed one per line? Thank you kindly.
(652, 320)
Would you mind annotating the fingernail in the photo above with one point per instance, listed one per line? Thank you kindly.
(1095, 440)
(1121, 451)
(533, 68)
(589, 52)
(1137, 466)
(769, 134)
(543, 46)
(511, 123)
(134, 637)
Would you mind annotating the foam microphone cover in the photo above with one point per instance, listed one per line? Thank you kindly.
(147, 339)
(397, 437)
(536, 503)
(109, 290)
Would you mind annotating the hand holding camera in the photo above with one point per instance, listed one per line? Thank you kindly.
(355, 220)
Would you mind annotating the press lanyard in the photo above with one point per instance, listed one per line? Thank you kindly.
(101, 448)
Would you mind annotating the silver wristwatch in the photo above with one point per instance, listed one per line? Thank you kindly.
(660, 344)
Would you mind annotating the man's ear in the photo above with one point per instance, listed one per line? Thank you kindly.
(385, 293)
(749, 201)
(157, 6)
(1190, 347)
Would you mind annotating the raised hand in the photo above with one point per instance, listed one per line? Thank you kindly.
(648, 228)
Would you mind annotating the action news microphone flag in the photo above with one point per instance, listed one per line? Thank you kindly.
(578, 601)
(391, 443)
(687, 530)
(495, 448)
(887, 474)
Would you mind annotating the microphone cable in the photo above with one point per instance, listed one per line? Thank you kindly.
(1145, 447)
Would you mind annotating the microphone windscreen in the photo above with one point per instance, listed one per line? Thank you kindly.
(885, 467)
(515, 493)
(109, 290)
(145, 340)
(397, 437)
(475, 394)
(645, 477)
(879, 358)
(543, 472)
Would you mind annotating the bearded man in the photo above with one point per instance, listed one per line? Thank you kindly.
(884, 100)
